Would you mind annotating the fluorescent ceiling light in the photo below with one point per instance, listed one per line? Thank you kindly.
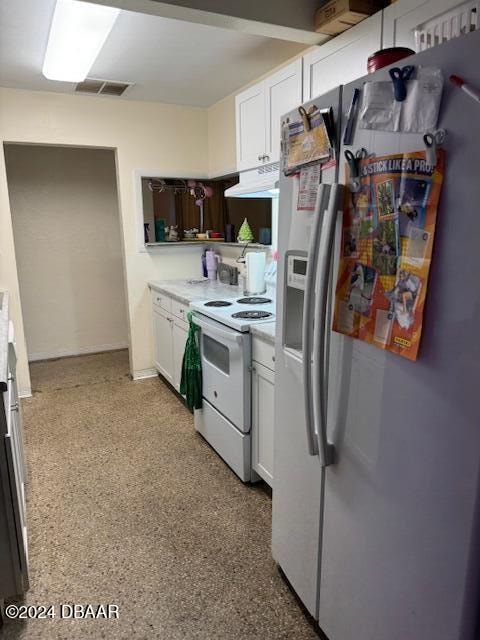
(77, 34)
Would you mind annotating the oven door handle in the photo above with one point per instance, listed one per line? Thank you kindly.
(213, 329)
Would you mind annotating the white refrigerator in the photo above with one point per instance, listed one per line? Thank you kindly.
(376, 501)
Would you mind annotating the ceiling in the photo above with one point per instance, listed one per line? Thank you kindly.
(167, 60)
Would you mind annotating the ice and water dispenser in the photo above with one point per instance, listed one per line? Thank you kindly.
(296, 276)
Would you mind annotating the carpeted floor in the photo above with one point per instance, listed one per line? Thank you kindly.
(128, 505)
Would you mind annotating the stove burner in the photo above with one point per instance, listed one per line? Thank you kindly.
(252, 315)
(253, 300)
(218, 303)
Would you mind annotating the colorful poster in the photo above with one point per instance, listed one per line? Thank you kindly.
(387, 242)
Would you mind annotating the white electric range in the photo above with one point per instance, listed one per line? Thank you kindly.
(238, 313)
(226, 353)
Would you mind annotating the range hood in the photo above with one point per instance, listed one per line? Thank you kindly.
(257, 183)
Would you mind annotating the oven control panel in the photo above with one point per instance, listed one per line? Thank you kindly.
(297, 271)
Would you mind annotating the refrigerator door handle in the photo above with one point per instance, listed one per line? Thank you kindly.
(320, 374)
(307, 324)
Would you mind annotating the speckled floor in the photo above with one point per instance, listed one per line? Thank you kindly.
(128, 505)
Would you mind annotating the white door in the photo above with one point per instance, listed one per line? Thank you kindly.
(263, 406)
(250, 125)
(341, 59)
(283, 92)
(180, 333)
(404, 17)
(162, 332)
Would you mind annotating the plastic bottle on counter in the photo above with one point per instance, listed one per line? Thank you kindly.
(212, 264)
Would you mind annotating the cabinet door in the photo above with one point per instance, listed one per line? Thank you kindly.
(250, 124)
(263, 385)
(341, 59)
(404, 17)
(180, 333)
(283, 92)
(162, 332)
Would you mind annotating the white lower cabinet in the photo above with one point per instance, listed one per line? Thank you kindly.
(263, 422)
(170, 335)
(162, 334)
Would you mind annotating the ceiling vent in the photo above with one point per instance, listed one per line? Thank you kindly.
(102, 87)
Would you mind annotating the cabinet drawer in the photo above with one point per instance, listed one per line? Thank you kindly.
(161, 300)
(263, 352)
(179, 310)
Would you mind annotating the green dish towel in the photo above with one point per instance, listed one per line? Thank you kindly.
(191, 382)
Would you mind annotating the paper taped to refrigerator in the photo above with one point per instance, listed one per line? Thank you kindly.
(309, 183)
(416, 114)
(307, 140)
(387, 240)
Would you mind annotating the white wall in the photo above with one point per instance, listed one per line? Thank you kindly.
(222, 158)
(151, 138)
(66, 227)
(158, 138)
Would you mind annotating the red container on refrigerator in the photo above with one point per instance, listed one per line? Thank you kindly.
(384, 57)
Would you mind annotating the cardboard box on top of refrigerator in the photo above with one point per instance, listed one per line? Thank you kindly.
(337, 16)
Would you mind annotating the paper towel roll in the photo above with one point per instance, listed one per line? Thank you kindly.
(255, 261)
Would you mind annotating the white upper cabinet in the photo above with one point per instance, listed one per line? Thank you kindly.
(438, 20)
(250, 124)
(257, 114)
(342, 59)
(283, 92)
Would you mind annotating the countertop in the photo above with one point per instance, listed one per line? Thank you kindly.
(185, 292)
(3, 339)
(264, 330)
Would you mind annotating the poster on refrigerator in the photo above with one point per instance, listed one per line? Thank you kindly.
(387, 241)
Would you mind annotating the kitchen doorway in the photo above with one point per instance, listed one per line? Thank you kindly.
(68, 246)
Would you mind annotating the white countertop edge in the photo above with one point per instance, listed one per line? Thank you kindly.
(185, 292)
(265, 331)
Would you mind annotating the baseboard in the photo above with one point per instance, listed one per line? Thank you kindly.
(141, 374)
(76, 351)
(25, 393)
